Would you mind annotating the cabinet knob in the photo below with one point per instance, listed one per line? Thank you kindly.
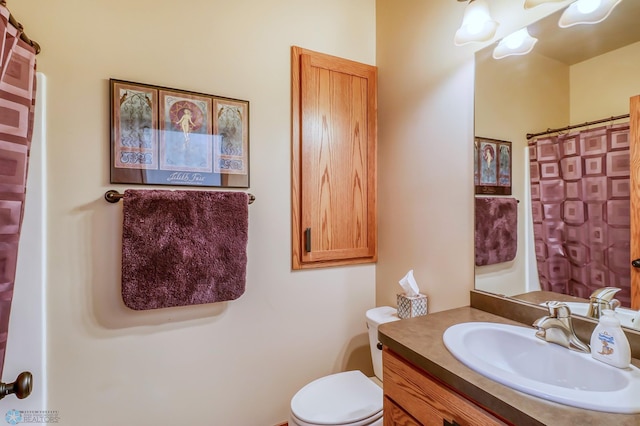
(635, 263)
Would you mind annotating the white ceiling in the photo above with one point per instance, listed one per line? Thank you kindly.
(580, 42)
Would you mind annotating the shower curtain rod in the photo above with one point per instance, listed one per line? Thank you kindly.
(575, 126)
(20, 28)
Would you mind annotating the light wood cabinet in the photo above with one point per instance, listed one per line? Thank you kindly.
(412, 397)
(334, 141)
(394, 415)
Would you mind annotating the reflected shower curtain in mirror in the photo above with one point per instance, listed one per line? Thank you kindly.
(581, 210)
(17, 106)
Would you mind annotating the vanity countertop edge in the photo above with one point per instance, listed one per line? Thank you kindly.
(419, 341)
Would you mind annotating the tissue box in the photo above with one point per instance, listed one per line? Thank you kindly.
(412, 306)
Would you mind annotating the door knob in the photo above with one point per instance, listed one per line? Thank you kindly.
(21, 387)
(635, 263)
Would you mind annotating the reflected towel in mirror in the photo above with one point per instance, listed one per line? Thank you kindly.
(496, 230)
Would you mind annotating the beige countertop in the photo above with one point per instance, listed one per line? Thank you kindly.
(419, 340)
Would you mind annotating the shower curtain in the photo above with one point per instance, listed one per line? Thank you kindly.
(17, 102)
(581, 210)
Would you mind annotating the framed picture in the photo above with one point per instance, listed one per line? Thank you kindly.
(492, 166)
(164, 136)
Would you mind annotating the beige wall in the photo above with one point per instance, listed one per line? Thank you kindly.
(239, 363)
(601, 87)
(425, 133)
(426, 129)
(515, 96)
(235, 363)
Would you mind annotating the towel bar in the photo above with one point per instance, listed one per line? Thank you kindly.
(114, 196)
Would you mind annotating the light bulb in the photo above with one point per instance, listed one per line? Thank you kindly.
(515, 40)
(587, 12)
(477, 24)
(517, 43)
(587, 6)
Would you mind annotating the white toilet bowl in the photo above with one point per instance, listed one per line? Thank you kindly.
(349, 398)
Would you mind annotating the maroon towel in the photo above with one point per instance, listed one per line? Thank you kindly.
(183, 247)
(496, 230)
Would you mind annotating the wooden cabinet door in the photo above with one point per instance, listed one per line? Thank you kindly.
(426, 400)
(334, 138)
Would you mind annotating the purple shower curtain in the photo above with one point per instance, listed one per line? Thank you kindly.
(581, 210)
(17, 102)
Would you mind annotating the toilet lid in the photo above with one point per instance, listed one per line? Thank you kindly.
(338, 399)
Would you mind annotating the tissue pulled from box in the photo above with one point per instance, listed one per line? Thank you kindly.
(409, 285)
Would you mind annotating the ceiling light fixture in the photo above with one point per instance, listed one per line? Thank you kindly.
(528, 4)
(587, 12)
(477, 24)
(517, 43)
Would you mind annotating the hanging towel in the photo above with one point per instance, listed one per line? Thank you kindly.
(496, 230)
(183, 247)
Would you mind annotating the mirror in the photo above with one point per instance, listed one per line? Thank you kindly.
(573, 75)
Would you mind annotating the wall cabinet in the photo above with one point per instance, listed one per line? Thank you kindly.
(334, 138)
(412, 397)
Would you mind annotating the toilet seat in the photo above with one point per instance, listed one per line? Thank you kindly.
(348, 398)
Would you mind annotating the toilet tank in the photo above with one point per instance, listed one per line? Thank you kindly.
(375, 317)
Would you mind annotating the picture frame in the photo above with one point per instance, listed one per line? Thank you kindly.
(166, 136)
(492, 166)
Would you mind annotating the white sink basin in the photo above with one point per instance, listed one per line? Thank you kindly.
(513, 356)
(626, 316)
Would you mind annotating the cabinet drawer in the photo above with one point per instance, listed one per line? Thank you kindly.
(394, 415)
(426, 400)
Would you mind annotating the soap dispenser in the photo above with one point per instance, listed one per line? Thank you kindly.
(609, 344)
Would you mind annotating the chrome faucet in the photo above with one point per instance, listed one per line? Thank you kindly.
(558, 328)
(602, 299)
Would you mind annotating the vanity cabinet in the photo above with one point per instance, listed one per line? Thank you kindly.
(413, 397)
(334, 142)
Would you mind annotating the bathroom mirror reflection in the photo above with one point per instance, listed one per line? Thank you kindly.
(573, 75)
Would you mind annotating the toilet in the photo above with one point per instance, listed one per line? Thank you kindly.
(349, 398)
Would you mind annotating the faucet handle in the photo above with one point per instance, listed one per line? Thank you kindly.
(601, 299)
(603, 294)
(558, 309)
